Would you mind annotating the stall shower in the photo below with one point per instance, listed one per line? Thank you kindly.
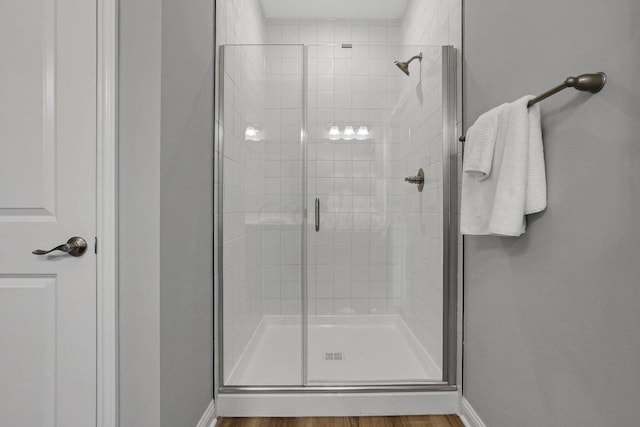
(333, 255)
(337, 212)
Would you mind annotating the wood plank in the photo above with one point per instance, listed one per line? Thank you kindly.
(380, 421)
(333, 421)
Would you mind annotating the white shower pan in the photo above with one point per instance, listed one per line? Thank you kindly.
(342, 350)
(359, 350)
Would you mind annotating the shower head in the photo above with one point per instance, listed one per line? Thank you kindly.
(404, 66)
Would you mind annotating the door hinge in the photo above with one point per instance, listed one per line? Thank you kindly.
(95, 245)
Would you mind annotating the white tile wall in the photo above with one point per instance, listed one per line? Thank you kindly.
(244, 94)
(282, 212)
(349, 261)
(332, 31)
(240, 22)
(429, 23)
(418, 216)
(379, 243)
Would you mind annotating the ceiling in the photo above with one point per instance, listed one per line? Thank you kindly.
(334, 9)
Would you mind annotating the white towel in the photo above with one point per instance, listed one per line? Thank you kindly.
(479, 178)
(480, 143)
(515, 185)
(537, 179)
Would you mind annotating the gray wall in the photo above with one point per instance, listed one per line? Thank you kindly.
(165, 134)
(552, 319)
(139, 207)
(186, 212)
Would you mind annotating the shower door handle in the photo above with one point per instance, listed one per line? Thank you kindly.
(317, 214)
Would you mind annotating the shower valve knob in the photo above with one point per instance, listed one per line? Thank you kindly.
(417, 179)
(414, 179)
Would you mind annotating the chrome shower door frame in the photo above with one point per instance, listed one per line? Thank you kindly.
(450, 213)
(450, 249)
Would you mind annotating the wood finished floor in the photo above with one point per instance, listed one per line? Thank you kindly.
(402, 421)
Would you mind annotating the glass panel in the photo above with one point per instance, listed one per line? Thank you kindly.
(262, 215)
(375, 295)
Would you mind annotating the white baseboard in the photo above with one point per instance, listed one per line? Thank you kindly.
(209, 417)
(469, 416)
(337, 404)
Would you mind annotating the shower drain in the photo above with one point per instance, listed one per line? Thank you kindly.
(334, 356)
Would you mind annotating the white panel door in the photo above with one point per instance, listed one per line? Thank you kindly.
(47, 195)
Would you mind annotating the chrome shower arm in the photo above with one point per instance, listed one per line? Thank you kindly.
(419, 56)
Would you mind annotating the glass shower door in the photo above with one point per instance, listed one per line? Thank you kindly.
(260, 229)
(333, 270)
(375, 283)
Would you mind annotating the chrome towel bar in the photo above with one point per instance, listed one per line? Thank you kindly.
(586, 83)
